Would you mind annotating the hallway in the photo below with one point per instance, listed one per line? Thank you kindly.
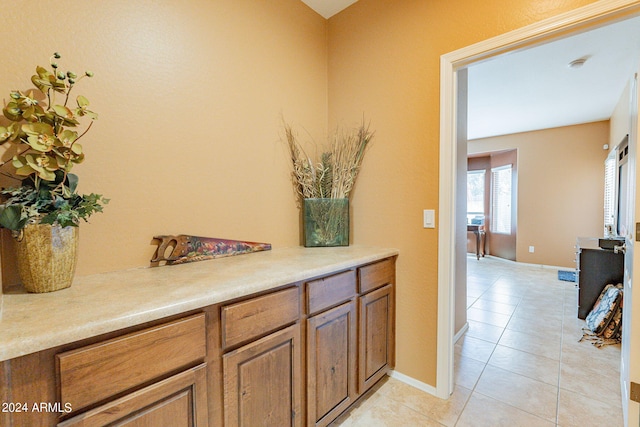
(519, 364)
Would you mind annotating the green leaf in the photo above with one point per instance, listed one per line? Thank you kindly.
(77, 148)
(12, 112)
(43, 165)
(42, 72)
(29, 112)
(25, 170)
(60, 203)
(82, 112)
(63, 111)
(36, 129)
(59, 86)
(5, 134)
(82, 101)
(82, 109)
(49, 218)
(39, 136)
(67, 137)
(16, 131)
(72, 182)
(11, 217)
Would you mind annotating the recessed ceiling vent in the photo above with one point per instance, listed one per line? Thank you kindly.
(578, 63)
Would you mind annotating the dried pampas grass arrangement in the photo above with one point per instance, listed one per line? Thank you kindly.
(324, 185)
(334, 174)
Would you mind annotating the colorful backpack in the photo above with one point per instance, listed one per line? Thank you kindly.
(604, 322)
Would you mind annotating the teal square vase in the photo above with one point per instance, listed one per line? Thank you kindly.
(326, 222)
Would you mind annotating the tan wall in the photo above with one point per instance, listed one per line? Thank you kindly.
(384, 59)
(619, 122)
(500, 245)
(190, 97)
(560, 188)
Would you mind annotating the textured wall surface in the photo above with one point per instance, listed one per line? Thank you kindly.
(560, 188)
(190, 95)
(384, 61)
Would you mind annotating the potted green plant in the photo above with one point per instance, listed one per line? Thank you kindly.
(44, 211)
(324, 185)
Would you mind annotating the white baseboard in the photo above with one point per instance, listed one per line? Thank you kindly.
(526, 264)
(461, 332)
(413, 382)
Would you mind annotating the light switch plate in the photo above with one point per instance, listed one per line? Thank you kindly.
(635, 392)
(429, 218)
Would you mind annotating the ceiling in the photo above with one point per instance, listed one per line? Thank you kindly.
(535, 88)
(328, 8)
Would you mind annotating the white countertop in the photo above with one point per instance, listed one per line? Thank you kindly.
(106, 302)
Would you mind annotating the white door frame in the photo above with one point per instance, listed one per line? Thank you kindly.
(585, 18)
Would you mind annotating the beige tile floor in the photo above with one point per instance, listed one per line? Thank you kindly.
(519, 364)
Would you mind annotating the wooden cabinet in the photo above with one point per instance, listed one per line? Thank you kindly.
(350, 337)
(376, 275)
(94, 373)
(262, 379)
(100, 372)
(376, 336)
(299, 355)
(331, 348)
(178, 401)
(246, 320)
(132, 378)
(262, 383)
(331, 364)
(377, 322)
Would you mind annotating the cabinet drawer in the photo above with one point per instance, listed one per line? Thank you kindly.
(329, 291)
(97, 372)
(180, 400)
(252, 318)
(375, 275)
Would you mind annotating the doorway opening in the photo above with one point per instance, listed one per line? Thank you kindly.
(492, 194)
(583, 19)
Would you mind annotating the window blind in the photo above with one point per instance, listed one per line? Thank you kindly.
(610, 194)
(501, 184)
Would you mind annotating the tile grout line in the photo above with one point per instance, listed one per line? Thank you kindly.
(529, 297)
(564, 307)
(504, 328)
(473, 389)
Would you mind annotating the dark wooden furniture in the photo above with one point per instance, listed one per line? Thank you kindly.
(596, 268)
(478, 231)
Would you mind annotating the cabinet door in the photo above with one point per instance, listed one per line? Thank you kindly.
(262, 381)
(331, 370)
(377, 335)
(598, 267)
(180, 400)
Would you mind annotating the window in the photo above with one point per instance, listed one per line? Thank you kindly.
(610, 194)
(623, 219)
(475, 197)
(501, 199)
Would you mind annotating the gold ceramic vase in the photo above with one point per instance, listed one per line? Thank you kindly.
(47, 256)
